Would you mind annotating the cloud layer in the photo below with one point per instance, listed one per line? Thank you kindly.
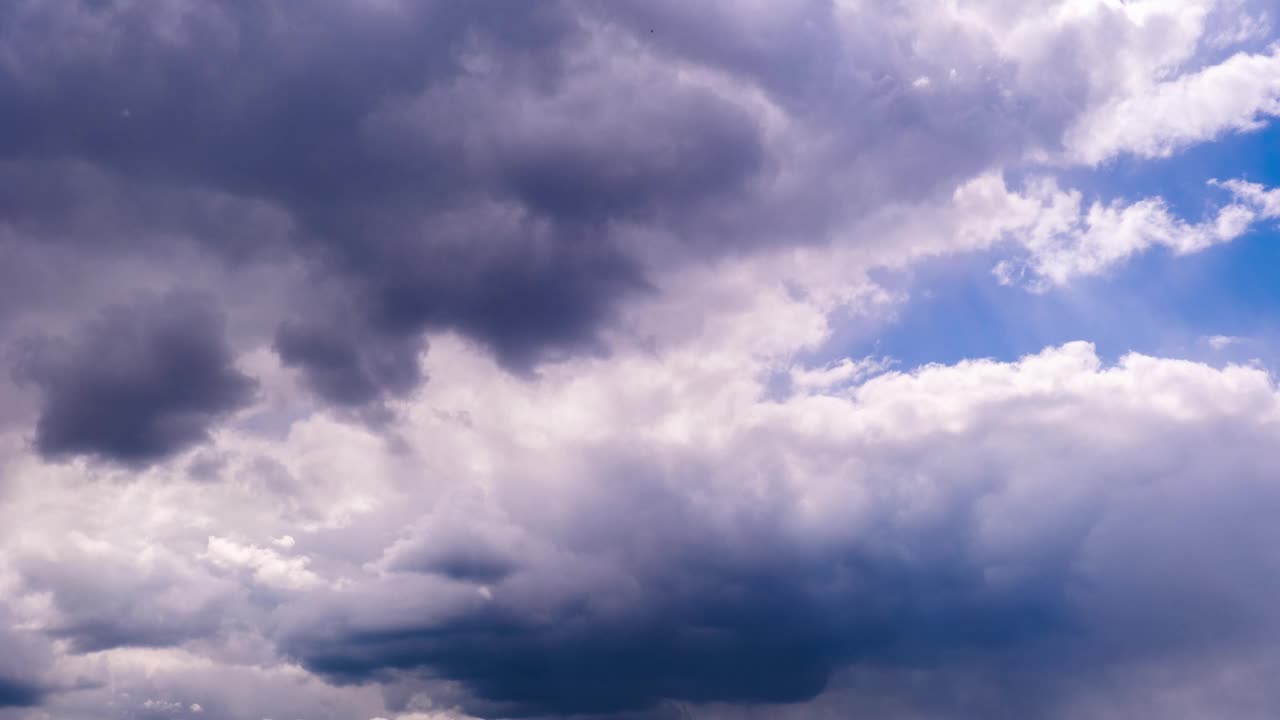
(955, 521)
(515, 175)
(440, 361)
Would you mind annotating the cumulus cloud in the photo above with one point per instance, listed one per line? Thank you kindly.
(1064, 240)
(137, 383)
(836, 374)
(973, 514)
(603, 146)
(102, 598)
(588, 546)
(519, 385)
(1240, 94)
(266, 565)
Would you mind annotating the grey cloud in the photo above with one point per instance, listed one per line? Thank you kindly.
(459, 559)
(462, 544)
(1014, 557)
(24, 667)
(226, 103)
(104, 602)
(137, 383)
(477, 166)
(694, 618)
(633, 159)
(213, 691)
(347, 369)
(515, 173)
(20, 692)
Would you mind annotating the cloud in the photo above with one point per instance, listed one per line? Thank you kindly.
(717, 547)
(1239, 94)
(24, 670)
(604, 148)
(346, 369)
(466, 559)
(951, 517)
(102, 598)
(844, 372)
(266, 565)
(137, 383)
(1221, 342)
(627, 245)
(415, 223)
(20, 692)
(1065, 241)
(169, 684)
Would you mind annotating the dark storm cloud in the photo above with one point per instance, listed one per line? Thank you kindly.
(514, 172)
(647, 593)
(347, 369)
(705, 629)
(24, 660)
(275, 102)
(137, 383)
(467, 166)
(18, 693)
(679, 612)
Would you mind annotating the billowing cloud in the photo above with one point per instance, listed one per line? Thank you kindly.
(1065, 241)
(102, 600)
(136, 383)
(966, 516)
(454, 361)
(591, 545)
(1240, 94)
(516, 174)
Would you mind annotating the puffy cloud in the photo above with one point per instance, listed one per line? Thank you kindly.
(347, 369)
(102, 598)
(138, 383)
(1265, 202)
(844, 372)
(1239, 94)
(951, 517)
(624, 242)
(267, 565)
(604, 147)
(652, 535)
(1065, 241)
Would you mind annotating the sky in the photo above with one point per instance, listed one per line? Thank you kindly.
(434, 360)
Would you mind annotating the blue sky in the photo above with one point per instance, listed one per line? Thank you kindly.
(1155, 303)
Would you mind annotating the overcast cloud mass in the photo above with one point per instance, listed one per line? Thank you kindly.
(435, 360)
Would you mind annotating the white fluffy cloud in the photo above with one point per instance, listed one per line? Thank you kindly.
(1063, 240)
(1241, 93)
(266, 565)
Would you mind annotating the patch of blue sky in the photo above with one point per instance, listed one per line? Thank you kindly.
(1219, 305)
